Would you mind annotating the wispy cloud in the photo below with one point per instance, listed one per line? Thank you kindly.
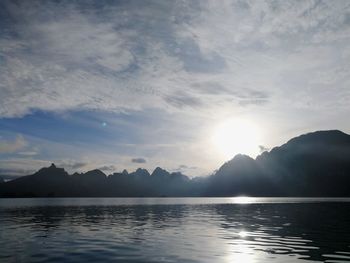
(28, 153)
(126, 57)
(13, 146)
(96, 54)
(21, 166)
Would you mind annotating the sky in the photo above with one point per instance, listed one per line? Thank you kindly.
(124, 84)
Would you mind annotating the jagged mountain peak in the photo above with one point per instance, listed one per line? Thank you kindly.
(160, 172)
(52, 170)
(140, 172)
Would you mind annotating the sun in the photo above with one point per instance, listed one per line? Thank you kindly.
(236, 136)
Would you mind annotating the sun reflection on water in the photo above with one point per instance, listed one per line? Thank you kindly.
(241, 252)
(243, 234)
(243, 200)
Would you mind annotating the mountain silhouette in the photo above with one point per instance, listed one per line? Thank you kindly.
(239, 176)
(1, 180)
(313, 164)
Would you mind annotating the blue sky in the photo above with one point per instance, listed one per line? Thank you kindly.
(123, 84)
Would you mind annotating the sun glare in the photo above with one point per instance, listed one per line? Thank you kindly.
(243, 200)
(243, 234)
(232, 137)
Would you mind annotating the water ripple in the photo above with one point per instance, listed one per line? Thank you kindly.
(166, 230)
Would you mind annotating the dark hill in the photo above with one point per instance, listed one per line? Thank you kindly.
(45, 182)
(314, 164)
(53, 182)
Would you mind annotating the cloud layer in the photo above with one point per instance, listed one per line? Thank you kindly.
(65, 55)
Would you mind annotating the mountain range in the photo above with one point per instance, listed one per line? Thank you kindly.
(314, 164)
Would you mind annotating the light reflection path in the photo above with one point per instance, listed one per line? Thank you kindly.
(243, 200)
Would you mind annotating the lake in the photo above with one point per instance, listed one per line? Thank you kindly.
(175, 230)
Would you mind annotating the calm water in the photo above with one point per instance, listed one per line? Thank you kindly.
(175, 230)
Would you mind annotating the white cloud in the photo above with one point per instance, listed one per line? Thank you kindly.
(130, 58)
(28, 153)
(271, 47)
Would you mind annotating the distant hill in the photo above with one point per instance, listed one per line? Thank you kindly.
(1, 180)
(56, 182)
(314, 164)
